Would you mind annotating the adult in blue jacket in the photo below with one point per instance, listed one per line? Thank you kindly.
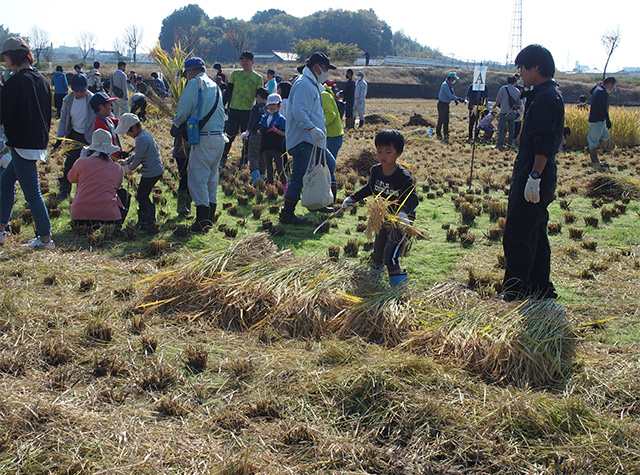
(201, 94)
(445, 97)
(60, 89)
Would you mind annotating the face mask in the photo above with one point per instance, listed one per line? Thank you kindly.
(324, 75)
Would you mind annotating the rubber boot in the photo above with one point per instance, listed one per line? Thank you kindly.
(255, 176)
(361, 122)
(65, 188)
(397, 280)
(212, 212)
(350, 123)
(334, 191)
(595, 161)
(202, 223)
(151, 214)
(287, 215)
(184, 203)
(143, 220)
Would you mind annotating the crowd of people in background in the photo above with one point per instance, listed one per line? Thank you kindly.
(284, 126)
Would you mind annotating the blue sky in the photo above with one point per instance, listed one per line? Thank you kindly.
(470, 29)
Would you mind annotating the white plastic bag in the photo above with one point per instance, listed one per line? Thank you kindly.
(316, 183)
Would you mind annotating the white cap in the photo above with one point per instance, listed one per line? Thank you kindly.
(274, 99)
(125, 122)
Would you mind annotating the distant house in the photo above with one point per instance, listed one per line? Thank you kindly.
(275, 57)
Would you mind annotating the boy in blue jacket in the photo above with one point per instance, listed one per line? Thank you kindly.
(272, 129)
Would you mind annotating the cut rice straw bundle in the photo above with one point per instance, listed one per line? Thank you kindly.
(251, 283)
(377, 208)
(532, 346)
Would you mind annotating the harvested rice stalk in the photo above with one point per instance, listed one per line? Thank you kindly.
(378, 209)
(251, 284)
(531, 346)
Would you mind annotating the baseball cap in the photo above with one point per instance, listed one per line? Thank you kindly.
(320, 58)
(453, 75)
(194, 62)
(247, 55)
(100, 98)
(14, 43)
(125, 122)
(360, 73)
(274, 99)
(78, 82)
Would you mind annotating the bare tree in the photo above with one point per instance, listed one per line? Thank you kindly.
(133, 35)
(239, 36)
(86, 42)
(610, 41)
(119, 48)
(39, 41)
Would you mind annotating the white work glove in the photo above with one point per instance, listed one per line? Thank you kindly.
(532, 190)
(403, 218)
(245, 134)
(348, 203)
(317, 135)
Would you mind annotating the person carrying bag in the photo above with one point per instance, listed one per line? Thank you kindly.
(316, 183)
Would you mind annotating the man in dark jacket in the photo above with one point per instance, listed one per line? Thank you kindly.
(349, 97)
(525, 242)
(599, 122)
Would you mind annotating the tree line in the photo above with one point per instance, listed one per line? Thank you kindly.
(343, 34)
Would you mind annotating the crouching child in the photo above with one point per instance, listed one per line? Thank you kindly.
(148, 156)
(393, 183)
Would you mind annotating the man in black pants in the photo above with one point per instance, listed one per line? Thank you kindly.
(239, 96)
(525, 242)
(76, 123)
(445, 96)
(349, 97)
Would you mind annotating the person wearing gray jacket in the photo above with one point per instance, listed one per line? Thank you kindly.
(76, 124)
(119, 90)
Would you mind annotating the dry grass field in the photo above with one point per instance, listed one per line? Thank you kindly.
(259, 354)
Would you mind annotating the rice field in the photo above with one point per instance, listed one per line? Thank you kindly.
(264, 349)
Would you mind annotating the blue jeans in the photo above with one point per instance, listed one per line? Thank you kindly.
(24, 172)
(300, 155)
(334, 144)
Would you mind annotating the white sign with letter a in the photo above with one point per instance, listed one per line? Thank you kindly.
(479, 78)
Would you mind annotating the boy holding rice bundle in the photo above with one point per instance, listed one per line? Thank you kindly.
(392, 183)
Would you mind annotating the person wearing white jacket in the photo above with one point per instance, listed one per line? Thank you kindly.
(360, 97)
(305, 128)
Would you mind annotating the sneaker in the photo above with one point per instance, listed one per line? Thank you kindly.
(36, 243)
(3, 236)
